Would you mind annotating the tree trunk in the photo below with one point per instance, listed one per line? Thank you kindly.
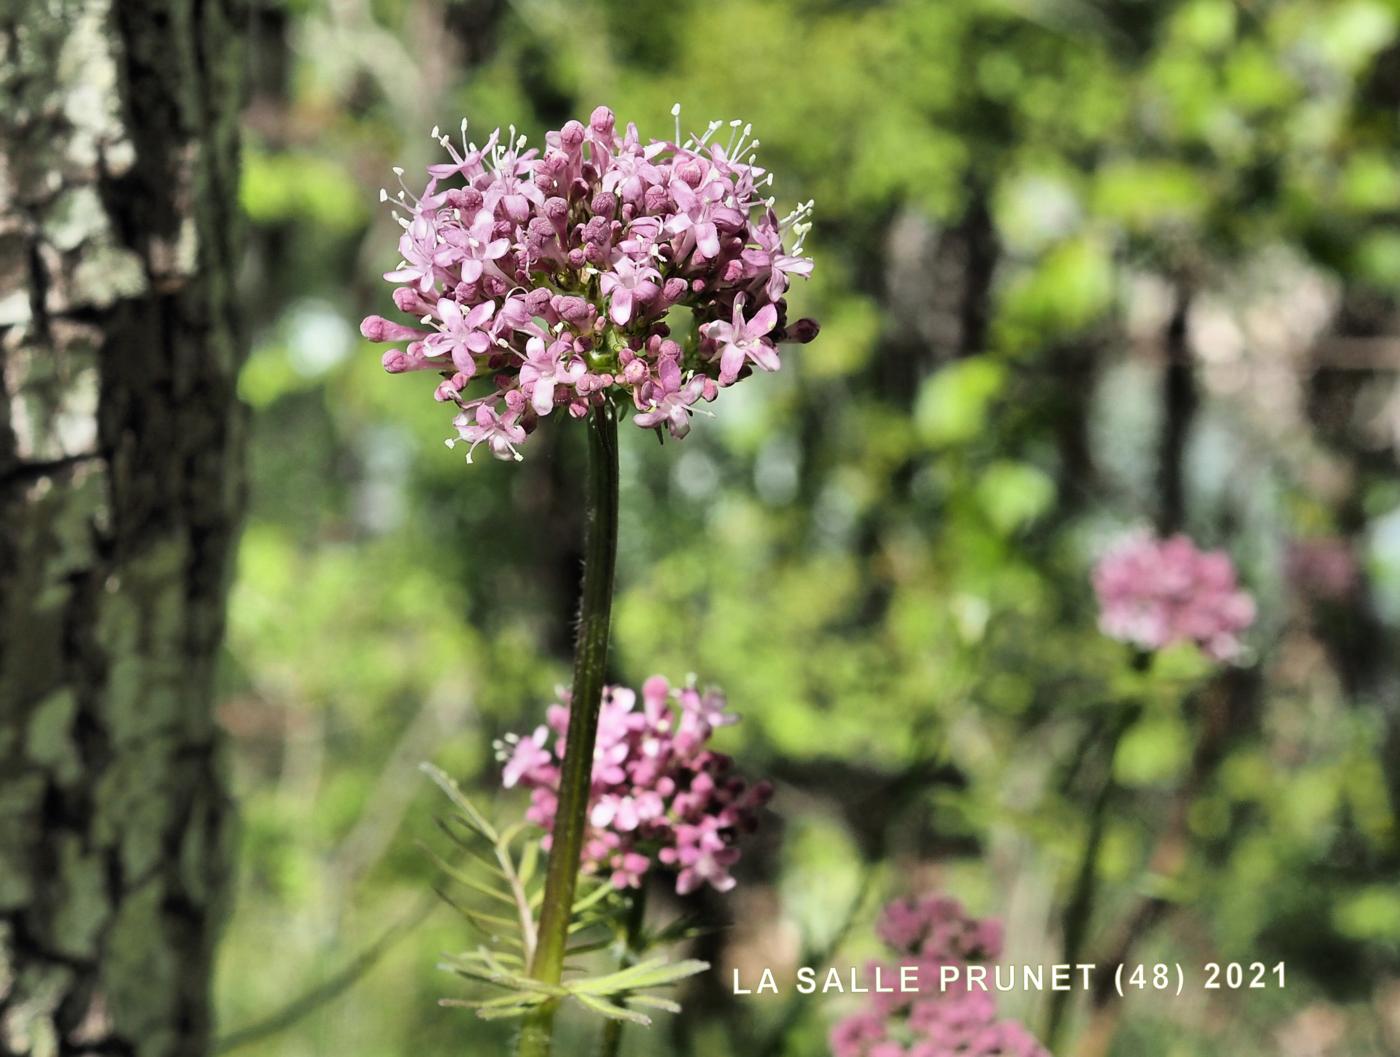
(120, 486)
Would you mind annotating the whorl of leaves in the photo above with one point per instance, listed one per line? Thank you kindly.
(502, 872)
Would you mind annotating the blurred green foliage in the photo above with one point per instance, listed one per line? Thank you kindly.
(881, 552)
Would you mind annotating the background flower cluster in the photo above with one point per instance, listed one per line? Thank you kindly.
(661, 796)
(1157, 592)
(941, 1021)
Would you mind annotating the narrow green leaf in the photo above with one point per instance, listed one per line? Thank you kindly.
(466, 879)
(517, 1000)
(592, 899)
(655, 972)
(496, 929)
(529, 863)
(454, 793)
(590, 947)
(655, 1002)
(506, 1012)
(612, 1011)
(470, 846)
(506, 980)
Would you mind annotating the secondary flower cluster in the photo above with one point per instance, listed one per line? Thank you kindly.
(1155, 593)
(550, 275)
(659, 795)
(957, 1022)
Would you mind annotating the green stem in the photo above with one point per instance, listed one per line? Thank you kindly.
(1079, 910)
(590, 667)
(611, 1044)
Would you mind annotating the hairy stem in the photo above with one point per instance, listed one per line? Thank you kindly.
(590, 665)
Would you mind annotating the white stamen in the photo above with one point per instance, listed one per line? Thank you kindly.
(710, 131)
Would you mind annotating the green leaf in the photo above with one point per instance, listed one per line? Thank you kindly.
(1070, 288)
(492, 927)
(529, 862)
(474, 817)
(1013, 494)
(507, 1012)
(575, 949)
(510, 1005)
(953, 403)
(614, 1012)
(1154, 751)
(655, 1002)
(467, 880)
(1371, 914)
(499, 977)
(655, 972)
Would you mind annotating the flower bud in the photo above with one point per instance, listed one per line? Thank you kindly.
(674, 289)
(602, 121)
(377, 328)
(572, 134)
(408, 299)
(466, 199)
(635, 373)
(603, 204)
(657, 200)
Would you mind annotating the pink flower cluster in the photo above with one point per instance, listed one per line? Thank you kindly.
(549, 277)
(930, 933)
(659, 795)
(1155, 593)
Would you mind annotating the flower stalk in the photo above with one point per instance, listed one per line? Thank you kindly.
(590, 671)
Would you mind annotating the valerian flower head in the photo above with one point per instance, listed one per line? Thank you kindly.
(1155, 593)
(660, 797)
(941, 1019)
(546, 280)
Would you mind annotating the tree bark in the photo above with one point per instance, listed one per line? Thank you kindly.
(120, 488)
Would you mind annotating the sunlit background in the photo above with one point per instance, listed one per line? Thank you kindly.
(1082, 266)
